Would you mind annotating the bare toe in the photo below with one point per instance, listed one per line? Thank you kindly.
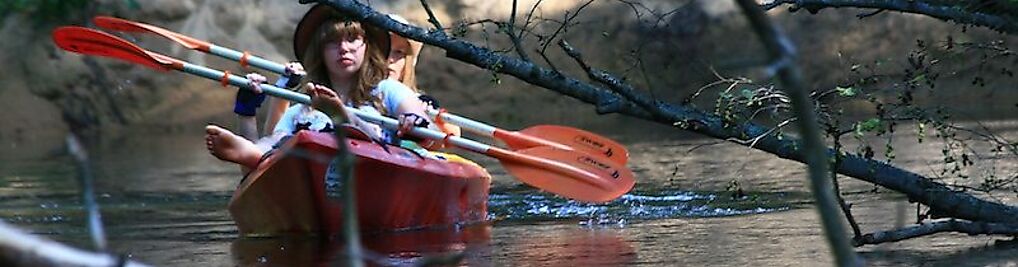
(227, 146)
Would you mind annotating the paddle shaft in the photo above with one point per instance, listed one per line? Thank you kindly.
(251, 59)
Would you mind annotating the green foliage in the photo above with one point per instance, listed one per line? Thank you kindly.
(870, 125)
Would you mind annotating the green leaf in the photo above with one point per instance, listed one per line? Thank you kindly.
(920, 78)
(847, 91)
(868, 125)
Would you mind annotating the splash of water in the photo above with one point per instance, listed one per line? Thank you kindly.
(633, 206)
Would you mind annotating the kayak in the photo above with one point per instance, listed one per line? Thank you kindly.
(396, 189)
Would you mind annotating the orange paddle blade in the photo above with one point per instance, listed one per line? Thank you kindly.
(569, 173)
(92, 42)
(123, 25)
(579, 140)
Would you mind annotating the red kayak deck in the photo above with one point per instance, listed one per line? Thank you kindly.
(395, 190)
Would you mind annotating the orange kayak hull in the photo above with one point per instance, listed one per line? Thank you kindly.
(395, 190)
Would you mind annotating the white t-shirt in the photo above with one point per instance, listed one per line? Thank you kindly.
(303, 117)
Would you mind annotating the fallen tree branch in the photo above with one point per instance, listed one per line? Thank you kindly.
(22, 249)
(949, 225)
(943, 12)
(939, 197)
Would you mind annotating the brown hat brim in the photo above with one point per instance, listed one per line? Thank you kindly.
(318, 14)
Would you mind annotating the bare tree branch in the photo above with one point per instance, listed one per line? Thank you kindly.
(950, 225)
(943, 12)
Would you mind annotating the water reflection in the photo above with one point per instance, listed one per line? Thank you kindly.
(563, 245)
(384, 249)
(476, 245)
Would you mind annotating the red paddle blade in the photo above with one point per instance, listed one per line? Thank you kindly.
(123, 25)
(579, 140)
(92, 42)
(572, 174)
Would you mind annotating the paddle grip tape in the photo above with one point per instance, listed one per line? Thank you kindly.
(225, 81)
(439, 120)
(430, 145)
(243, 59)
(445, 140)
(441, 126)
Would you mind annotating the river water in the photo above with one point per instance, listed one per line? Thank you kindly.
(163, 201)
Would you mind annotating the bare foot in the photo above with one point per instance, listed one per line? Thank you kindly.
(227, 146)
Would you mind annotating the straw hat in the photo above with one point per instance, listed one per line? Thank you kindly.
(319, 13)
(415, 46)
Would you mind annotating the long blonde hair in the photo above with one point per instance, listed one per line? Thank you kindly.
(409, 74)
(373, 69)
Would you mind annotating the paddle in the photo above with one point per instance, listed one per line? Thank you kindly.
(550, 135)
(564, 172)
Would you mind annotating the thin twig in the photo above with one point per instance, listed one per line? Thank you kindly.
(563, 26)
(752, 142)
(510, 30)
(845, 207)
(432, 18)
(526, 24)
